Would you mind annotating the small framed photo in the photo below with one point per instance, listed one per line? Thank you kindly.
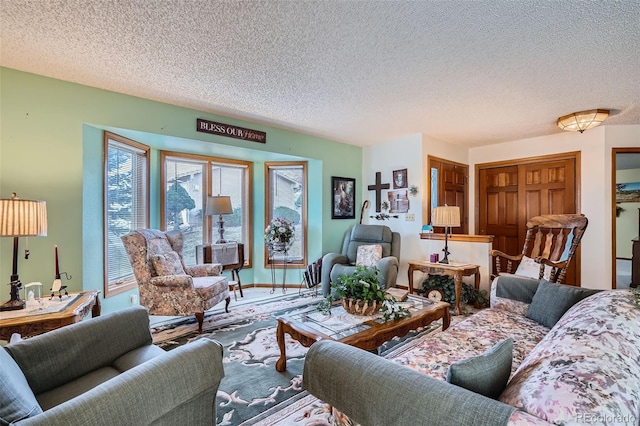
(398, 201)
(399, 179)
(343, 198)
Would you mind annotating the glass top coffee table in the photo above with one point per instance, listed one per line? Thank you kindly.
(364, 332)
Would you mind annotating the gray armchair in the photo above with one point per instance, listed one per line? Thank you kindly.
(106, 371)
(336, 264)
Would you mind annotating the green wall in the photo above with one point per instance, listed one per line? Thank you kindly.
(51, 149)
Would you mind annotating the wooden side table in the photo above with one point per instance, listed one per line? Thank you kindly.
(33, 324)
(455, 270)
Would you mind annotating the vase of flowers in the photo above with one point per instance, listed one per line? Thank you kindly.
(279, 235)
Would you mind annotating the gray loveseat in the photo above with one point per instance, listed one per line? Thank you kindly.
(106, 371)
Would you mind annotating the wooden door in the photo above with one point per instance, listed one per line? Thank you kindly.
(499, 214)
(452, 189)
(510, 194)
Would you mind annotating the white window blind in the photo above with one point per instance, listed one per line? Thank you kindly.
(126, 204)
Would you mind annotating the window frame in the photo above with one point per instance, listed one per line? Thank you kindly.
(209, 222)
(129, 282)
(277, 263)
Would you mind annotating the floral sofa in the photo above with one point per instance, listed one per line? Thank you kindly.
(578, 367)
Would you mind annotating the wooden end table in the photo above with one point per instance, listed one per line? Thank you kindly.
(37, 323)
(309, 326)
(455, 270)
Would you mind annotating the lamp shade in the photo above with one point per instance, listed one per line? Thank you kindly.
(22, 218)
(220, 204)
(583, 120)
(446, 216)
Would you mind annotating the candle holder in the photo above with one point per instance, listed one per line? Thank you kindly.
(57, 286)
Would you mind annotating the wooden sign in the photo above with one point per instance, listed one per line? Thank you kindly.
(230, 131)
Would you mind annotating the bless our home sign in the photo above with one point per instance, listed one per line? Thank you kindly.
(230, 131)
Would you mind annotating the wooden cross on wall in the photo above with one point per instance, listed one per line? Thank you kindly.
(378, 187)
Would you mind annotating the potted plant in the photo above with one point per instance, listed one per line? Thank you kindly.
(444, 283)
(361, 294)
(279, 234)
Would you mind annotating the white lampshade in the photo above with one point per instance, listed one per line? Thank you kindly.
(22, 218)
(446, 216)
(583, 120)
(220, 204)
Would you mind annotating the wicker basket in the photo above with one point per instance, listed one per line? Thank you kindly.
(361, 307)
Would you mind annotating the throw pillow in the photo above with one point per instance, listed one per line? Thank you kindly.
(368, 255)
(486, 374)
(17, 401)
(552, 300)
(531, 269)
(167, 264)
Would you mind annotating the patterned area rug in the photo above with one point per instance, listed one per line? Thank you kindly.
(252, 391)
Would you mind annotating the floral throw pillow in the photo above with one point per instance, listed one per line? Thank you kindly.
(368, 255)
(167, 264)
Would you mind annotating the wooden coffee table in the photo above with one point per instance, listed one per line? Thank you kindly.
(309, 326)
(30, 323)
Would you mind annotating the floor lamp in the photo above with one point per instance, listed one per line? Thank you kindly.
(447, 216)
(219, 205)
(20, 218)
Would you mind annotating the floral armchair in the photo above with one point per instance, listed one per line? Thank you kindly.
(167, 286)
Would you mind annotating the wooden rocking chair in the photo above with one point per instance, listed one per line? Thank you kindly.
(551, 241)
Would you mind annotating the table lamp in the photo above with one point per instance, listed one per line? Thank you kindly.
(219, 205)
(447, 216)
(20, 218)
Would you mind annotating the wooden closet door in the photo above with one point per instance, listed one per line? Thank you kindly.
(511, 194)
(499, 211)
(547, 188)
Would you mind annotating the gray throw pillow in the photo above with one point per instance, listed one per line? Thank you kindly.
(486, 374)
(552, 300)
(17, 401)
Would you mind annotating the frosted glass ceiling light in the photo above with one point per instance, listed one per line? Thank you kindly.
(583, 120)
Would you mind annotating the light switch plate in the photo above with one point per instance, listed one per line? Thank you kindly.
(409, 217)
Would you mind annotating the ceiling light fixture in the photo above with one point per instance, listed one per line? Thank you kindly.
(583, 120)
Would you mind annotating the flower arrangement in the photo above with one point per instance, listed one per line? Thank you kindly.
(279, 232)
(362, 292)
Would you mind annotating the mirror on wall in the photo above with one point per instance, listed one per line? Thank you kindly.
(626, 217)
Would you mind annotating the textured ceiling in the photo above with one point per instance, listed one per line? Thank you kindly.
(469, 73)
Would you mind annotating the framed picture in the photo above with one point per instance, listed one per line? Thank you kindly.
(628, 192)
(398, 201)
(399, 178)
(343, 198)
